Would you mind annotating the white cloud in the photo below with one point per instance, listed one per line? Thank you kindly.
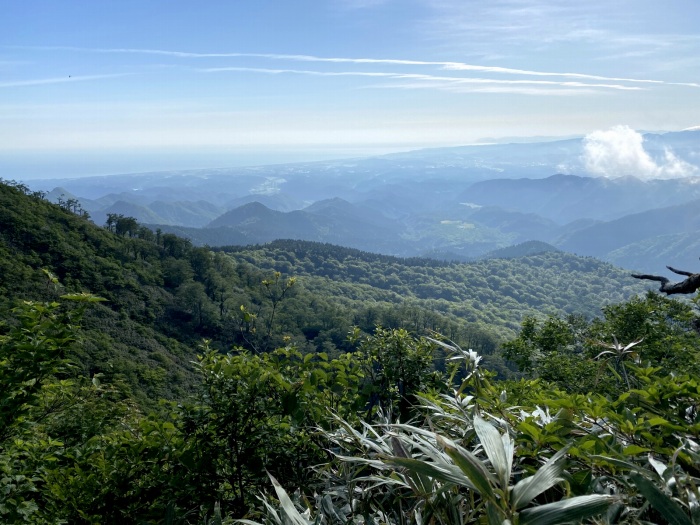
(439, 82)
(444, 65)
(57, 80)
(619, 151)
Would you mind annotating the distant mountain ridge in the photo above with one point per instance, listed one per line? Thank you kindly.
(523, 249)
(565, 198)
(454, 203)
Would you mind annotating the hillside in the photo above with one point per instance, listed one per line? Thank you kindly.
(159, 285)
(454, 203)
(497, 293)
(600, 239)
(520, 250)
(653, 254)
(565, 198)
(278, 382)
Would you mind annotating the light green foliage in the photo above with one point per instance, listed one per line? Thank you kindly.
(32, 350)
(499, 293)
(474, 450)
(257, 412)
(525, 452)
(44, 418)
(571, 352)
(256, 324)
(456, 468)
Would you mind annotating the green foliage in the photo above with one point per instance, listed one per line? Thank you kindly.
(256, 413)
(399, 366)
(33, 348)
(522, 453)
(570, 352)
(497, 292)
(44, 417)
(382, 427)
(467, 450)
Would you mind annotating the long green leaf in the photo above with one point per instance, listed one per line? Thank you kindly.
(494, 517)
(546, 477)
(287, 506)
(567, 510)
(492, 442)
(471, 466)
(619, 463)
(668, 508)
(443, 472)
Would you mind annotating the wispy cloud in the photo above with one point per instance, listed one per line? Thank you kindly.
(443, 65)
(484, 88)
(57, 80)
(597, 28)
(433, 80)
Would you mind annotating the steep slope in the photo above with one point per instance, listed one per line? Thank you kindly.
(334, 221)
(600, 239)
(121, 338)
(186, 213)
(527, 226)
(565, 198)
(653, 254)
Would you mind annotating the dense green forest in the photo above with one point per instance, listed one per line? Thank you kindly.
(163, 296)
(145, 380)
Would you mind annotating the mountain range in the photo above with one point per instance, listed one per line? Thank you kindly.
(450, 203)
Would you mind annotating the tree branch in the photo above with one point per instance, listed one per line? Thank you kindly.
(687, 286)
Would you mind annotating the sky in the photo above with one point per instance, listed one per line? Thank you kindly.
(95, 87)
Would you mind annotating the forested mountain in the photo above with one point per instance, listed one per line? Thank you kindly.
(469, 232)
(520, 250)
(335, 221)
(649, 228)
(565, 198)
(294, 365)
(497, 293)
(654, 253)
(453, 203)
(164, 295)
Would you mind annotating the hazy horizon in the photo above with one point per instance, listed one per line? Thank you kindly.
(84, 86)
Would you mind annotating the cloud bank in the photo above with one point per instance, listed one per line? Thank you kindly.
(619, 151)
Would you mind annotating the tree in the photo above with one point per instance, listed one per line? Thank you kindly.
(255, 413)
(192, 296)
(126, 226)
(111, 221)
(273, 292)
(33, 349)
(399, 366)
(564, 351)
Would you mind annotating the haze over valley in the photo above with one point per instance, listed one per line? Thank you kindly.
(349, 261)
(618, 195)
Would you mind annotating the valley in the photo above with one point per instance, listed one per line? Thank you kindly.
(454, 204)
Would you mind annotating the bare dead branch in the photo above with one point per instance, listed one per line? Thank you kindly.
(687, 286)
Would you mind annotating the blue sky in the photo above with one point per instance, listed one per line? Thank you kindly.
(95, 87)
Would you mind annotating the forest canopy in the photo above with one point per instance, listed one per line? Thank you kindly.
(145, 380)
